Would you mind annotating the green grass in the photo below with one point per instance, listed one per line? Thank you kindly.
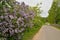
(30, 33)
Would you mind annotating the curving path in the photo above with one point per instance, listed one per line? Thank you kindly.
(47, 32)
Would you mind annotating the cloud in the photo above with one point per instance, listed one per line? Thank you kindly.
(44, 14)
(46, 5)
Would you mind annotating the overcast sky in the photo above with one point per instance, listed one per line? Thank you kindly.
(46, 5)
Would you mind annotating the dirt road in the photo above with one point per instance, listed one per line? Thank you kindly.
(47, 32)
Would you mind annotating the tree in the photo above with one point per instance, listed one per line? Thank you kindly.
(54, 14)
(58, 14)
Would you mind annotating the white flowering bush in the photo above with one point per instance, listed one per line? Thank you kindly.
(14, 19)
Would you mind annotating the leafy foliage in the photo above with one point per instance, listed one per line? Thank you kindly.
(14, 19)
(54, 14)
(38, 22)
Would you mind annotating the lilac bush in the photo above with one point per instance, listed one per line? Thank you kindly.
(14, 19)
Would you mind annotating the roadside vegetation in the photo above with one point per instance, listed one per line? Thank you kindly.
(22, 22)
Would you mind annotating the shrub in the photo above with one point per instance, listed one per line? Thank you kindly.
(14, 19)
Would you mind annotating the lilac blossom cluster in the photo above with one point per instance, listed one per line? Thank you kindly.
(14, 19)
